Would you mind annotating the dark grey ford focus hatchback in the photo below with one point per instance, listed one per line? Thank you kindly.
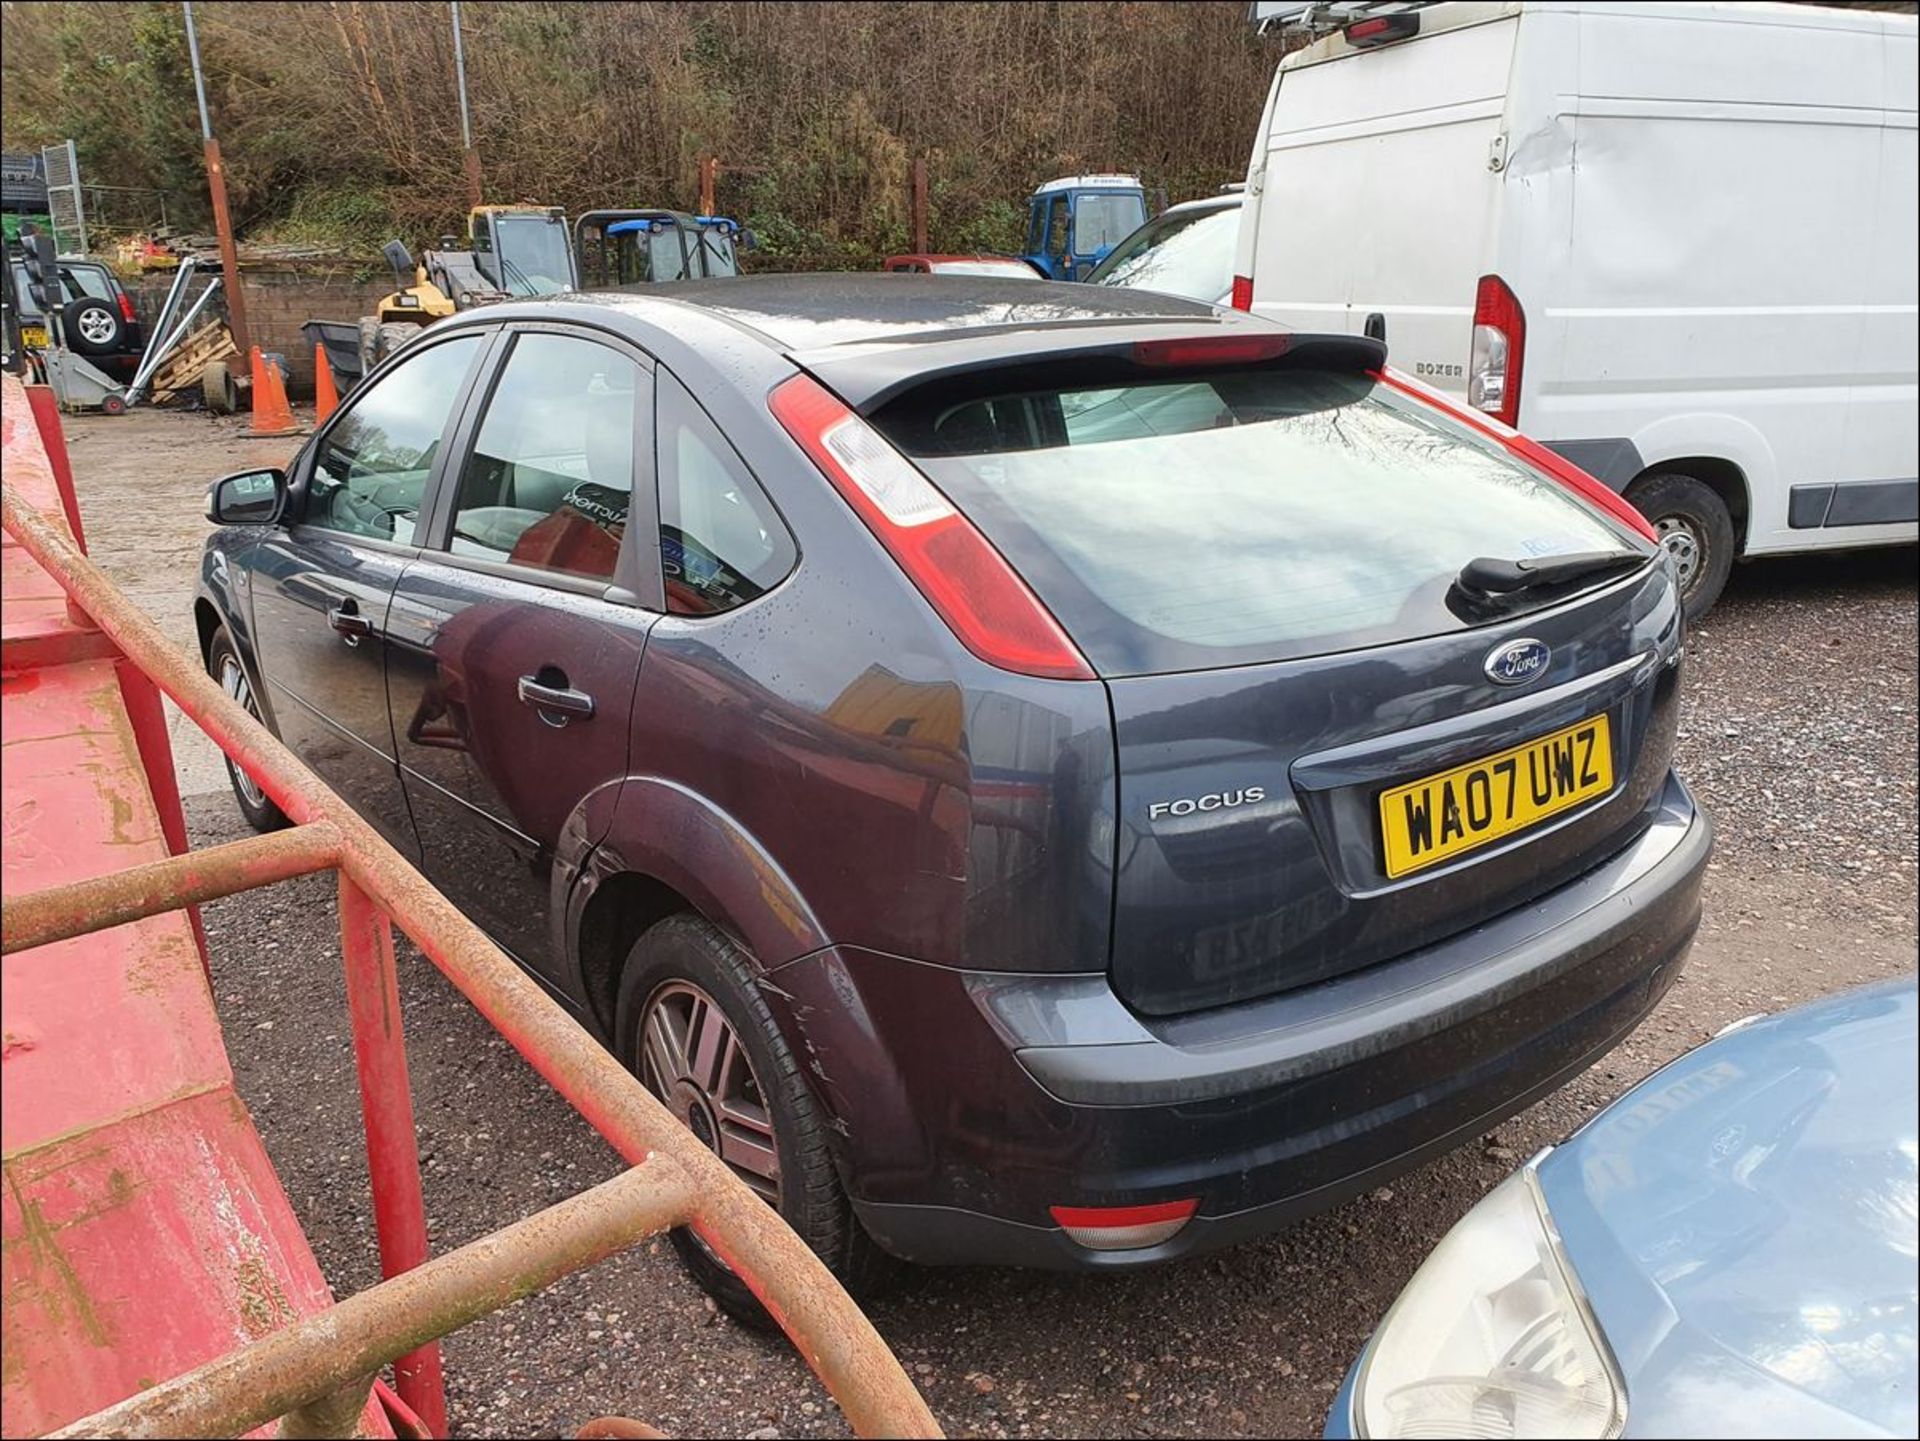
(1029, 774)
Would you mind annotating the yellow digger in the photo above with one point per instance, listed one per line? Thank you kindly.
(511, 251)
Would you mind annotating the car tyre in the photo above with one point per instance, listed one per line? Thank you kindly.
(224, 665)
(1695, 528)
(92, 327)
(684, 958)
(217, 389)
(390, 337)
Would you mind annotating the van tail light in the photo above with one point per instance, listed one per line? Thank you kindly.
(127, 312)
(1124, 1228)
(963, 577)
(1242, 292)
(1499, 345)
(1540, 457)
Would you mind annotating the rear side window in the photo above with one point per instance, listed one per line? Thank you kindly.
(550, 478)
(1228, 518)
(87, 280)
(722, 543)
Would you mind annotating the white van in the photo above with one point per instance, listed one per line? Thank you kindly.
(1675, 242)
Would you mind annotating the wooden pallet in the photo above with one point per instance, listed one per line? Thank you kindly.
(181, 371)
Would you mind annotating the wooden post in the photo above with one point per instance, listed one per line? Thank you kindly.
(920, 207)
(709, 172)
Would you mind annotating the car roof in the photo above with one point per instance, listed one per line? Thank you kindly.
(971, 257)
(868, 336)
(1209, 202)
(1089, 182)
(803, 314)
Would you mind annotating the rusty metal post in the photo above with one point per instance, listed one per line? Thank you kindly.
(317, 1355)
(335, 1414)
(217, 188)
(472, 158)
(920, 245)
(709, 174)
(386, 1105)
(827, 1329)
(61, 912)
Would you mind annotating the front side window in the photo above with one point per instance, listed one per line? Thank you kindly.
(370, 473)
(549, 480)
(1057, 227)
(1103, 221)
(721, 542)
(534, 255)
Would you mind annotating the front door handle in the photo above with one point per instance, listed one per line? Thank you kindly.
(352, 625)
(555, 702)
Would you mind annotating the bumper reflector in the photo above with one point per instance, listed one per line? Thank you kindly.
(1124, 1228)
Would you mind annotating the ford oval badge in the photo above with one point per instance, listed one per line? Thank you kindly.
(1518, 661)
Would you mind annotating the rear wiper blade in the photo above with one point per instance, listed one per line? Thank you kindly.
(1488, 576)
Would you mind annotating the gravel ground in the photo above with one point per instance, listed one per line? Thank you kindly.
(1799, 735)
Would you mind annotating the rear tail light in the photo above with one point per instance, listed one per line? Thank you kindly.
(1499, 345)
(1531, 451)
(1242, 292)
(127, 312)
(963, 577)
(1124, 1228)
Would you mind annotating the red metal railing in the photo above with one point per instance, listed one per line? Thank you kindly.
(315, 1373)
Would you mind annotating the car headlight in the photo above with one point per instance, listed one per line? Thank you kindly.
(1492, 1337)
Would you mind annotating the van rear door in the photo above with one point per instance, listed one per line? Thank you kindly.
(1371, 192)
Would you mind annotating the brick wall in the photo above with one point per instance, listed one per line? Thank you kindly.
(279, 302)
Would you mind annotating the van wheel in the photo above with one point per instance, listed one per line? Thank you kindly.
(1695, 529)
(223, 664)
(692, 1025)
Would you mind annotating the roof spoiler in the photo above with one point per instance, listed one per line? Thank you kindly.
(868, 377)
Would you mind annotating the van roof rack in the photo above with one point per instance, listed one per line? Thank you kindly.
(1314, 18)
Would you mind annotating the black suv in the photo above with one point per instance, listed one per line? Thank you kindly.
(96, 316)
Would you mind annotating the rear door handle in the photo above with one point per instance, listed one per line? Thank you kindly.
(352, 625)
(554, 702)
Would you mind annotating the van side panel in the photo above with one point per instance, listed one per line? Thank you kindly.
(1724, 292)
(1356, 147)
(1706, 213)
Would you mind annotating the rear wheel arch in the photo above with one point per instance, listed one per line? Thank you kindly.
(1723, 477)
(620, 908)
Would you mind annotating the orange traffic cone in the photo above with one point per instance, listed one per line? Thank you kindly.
(326, 399)
(271, 413)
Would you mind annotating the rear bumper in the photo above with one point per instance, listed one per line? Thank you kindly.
(969, 1103)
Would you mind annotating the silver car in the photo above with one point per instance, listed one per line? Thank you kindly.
(1727, 1250)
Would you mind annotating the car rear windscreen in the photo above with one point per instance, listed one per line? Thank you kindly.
(1221, 519)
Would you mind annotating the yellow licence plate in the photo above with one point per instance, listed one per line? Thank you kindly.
(33, 337)
(1456, 811)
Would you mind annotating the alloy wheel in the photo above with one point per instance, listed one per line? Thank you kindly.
(233, 680)
(693, 1060)
(96, 327)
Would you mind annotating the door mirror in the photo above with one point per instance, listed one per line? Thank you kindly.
(252, 497)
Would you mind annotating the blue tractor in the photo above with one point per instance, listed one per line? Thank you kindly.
(1074, 221)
